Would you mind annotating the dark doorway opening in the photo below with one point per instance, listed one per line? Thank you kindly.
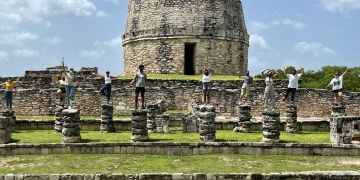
(189, 65)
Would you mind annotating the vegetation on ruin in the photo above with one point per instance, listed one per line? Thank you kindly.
(49, 136)
(320, 79)
(134, 164)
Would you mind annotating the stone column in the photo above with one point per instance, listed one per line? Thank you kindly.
(292, 126)
(139, 130)
(207, 128)
(11, 115)
(337, 111)
(71, 128)
(271, 126)
(190, 124)
(162, 123)
(151, 118)
(107, 123)
(5, 129)
(244, 124)
(341, 129)
(58, 119)
(356, 131)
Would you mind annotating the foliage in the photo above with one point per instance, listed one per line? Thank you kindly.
(321, 78)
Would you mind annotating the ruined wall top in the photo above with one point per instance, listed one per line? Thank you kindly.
(207, 18)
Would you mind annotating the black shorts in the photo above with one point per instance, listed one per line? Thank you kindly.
(62, 90)
(140, 90)
(336, 91)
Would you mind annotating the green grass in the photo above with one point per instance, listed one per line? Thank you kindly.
(185, 77)
(48, 136)
(134, 164)
(84, 118)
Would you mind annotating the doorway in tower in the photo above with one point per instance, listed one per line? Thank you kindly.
(189, 64)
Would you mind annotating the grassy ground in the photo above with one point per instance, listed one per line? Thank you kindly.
(48, 136)
(185, 77)
(131, 164)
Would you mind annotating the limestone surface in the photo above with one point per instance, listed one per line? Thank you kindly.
(207, 128)
(139, 132)
(58, 119)
(271, 126)
(71, 127)
(244, 124)
(107, 123)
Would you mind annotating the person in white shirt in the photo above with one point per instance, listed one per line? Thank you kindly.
(141, 81)
(106, 88)
(61, 91)
(293, 83)
(269, 94)
(69, 84)
(337, 85)
(206, 80)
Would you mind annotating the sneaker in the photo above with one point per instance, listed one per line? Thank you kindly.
(69, 107)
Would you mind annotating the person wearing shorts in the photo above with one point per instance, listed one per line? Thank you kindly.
(206, 80)
(106, 88)
(245, 88)
(337, 84)
(61, 91)
(141, 80)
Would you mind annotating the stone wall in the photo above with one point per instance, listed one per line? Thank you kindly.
(35, 96)
(157, 31)
(181, 176)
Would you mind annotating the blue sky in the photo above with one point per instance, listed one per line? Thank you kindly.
(34, 34)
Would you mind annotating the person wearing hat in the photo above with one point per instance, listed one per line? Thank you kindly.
(106, 88)
(337, 84)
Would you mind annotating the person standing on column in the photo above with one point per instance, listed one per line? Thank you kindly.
(69, 84)
(206, 79)
(245, 89)
(337, 84)
(106, 88)
(269, 89)
(61, 91)
(293, 83)
(141, 80)
(9, 86)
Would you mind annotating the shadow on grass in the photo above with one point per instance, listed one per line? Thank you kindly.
(159, 140)
(226, 140)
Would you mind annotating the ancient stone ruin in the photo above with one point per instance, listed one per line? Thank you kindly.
(338, 110)
(151, 118)
(7, 124)
(207, 128)
(164, 36)
(106, 123)
(162, 123)
(71, 128)
(190, 121)
(244, 124)
(271, 126)
(292, 125)
(139, 132)
(341, 129)
(58, 119)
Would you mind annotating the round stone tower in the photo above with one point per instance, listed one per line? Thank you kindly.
(185, 36)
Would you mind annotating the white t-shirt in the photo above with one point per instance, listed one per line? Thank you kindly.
(294, 80)
(62, 83)
(69, 79)
(337, 83)
(269, 82)
(206, 78)
(107, 80)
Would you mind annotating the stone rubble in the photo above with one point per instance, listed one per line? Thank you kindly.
(207, 129)
(162, 123)
(271, 126)
(58, 118)
(292, 125)
(244, 124)
(7, 124)
(71, 128)
(139, 132)
(107, 123)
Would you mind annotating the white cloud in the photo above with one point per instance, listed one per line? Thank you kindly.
(258, 42)
(341, 6)
(53, 40)
(258, 26)
(115, 43)
(4, 56)
(17, 38)
(114, 1)
(15, 12)
(255, 63)
(314, 49)
(26, 53)
(294, 24)
(93, 54)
